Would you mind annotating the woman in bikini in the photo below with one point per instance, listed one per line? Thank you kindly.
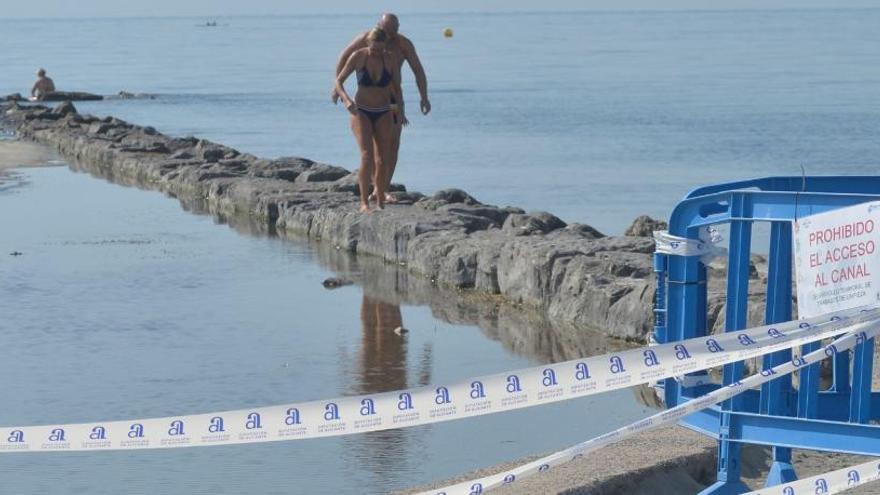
(372, 113)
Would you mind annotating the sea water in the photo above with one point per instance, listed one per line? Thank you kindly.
(595, 117)
(121, 305)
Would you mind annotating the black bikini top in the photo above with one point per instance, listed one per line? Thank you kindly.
(364, 79)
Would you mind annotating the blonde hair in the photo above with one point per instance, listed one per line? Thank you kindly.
(377, 35)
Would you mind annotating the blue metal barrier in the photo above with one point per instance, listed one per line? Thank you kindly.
(778, 415)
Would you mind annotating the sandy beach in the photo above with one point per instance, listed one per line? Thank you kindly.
(668, 461)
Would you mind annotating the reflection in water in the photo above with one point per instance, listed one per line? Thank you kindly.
(382, 367)
(383, 352)
(522, 331)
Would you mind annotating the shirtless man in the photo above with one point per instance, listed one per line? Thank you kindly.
(43, 85)
(401, 49)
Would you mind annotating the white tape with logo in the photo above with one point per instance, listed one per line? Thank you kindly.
(861, 332)
(825, 484)
(706, 247)
(425, 405)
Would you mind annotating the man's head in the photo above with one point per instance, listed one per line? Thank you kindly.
(41, 73)
(389, 23)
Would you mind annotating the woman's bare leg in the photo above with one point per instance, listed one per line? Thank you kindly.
(382, 135)
(363, 134)
(391, 160)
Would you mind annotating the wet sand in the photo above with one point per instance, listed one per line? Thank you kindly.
(15, 154)
(668, 461)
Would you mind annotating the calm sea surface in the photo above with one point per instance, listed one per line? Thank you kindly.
(124, 306)
(596, 117)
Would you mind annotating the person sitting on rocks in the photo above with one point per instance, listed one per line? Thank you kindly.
(43, 85)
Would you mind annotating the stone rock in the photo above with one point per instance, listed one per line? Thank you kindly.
(65, 108)
(99, 128)
(212, 154)
(570, 273)
(539, 222)
(70, 96)
(644, 226)
(145, 148)
(445, 197)
(183, 155)
(321, 172)
(454, 196)
(406, 197)
(14, 97)
(585, 231)
(43, 115)
(335, 283)
(125, 95)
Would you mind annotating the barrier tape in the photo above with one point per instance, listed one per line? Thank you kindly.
(861, 333)
(432, 404)
(705, 247)
(828, 483)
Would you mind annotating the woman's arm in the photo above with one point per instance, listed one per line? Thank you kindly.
(346, 71)
(356, 44)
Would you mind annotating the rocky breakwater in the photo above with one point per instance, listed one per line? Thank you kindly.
(570, 271)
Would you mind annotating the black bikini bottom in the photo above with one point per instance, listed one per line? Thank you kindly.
(373, 113)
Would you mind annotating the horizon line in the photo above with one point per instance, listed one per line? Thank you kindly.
(439, 12)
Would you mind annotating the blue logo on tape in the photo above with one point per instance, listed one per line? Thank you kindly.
(176, 428)
(681, 352)
(57, 435)
(513, 384)
(852, 478)
(136, 431)
(292, 417)
(549, 379)
(331, 411)
(650, 358)
(98, 433)
(581, 371)
(405, 401)
(215, 425)
(442, 396)
(477, 390)
(776, 334)
(253, 421)
(368, 408)
(713, 346)
(616, 365)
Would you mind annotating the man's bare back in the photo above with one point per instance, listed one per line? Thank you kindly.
(44, 85)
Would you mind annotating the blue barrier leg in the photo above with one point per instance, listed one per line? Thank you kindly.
(860, 400)
(776, 395)
(729, 467)
(808, 389)
(686, 305)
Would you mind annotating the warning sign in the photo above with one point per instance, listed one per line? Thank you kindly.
(837, 258)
